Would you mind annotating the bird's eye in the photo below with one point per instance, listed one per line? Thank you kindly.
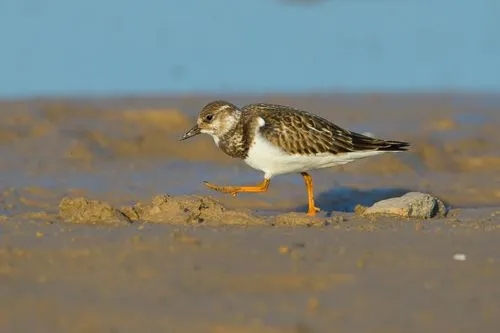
(209, 117)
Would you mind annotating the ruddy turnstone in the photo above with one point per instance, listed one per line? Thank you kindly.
(278, 139)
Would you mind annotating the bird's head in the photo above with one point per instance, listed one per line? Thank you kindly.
(216, 118)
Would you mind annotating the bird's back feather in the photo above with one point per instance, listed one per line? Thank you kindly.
(300, 132)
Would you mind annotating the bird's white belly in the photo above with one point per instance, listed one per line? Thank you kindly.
(272, 160)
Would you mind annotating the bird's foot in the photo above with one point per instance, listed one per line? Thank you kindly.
(313, 210)
(234, 190)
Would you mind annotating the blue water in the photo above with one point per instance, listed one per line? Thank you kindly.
(60, 47)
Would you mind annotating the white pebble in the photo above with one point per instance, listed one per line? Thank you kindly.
(459, 257)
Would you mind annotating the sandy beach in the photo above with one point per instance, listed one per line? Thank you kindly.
(180, 258)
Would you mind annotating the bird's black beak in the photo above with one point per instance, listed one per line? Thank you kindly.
(192, 132)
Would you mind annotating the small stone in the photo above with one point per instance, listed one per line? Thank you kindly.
(412, 204)
(39, 234)
(459, 257)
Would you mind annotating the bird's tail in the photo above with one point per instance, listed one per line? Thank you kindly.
(362, 142)
(394, 146)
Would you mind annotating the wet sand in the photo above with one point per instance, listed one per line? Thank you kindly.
(105, 225)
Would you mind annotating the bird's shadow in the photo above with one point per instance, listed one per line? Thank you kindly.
(345, 199)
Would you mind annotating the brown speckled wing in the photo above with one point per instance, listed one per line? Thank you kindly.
(300, 132)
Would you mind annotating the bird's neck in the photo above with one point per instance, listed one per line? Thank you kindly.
(233, 142)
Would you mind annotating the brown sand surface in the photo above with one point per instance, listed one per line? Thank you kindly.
(105, 225)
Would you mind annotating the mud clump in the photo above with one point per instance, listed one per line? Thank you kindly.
(86, 211)
(197, 210)
(162, 209)
(191, 210)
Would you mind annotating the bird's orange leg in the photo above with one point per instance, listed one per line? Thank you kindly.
(310, 194)
(234, 190)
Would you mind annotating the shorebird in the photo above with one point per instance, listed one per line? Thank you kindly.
(279, 139)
